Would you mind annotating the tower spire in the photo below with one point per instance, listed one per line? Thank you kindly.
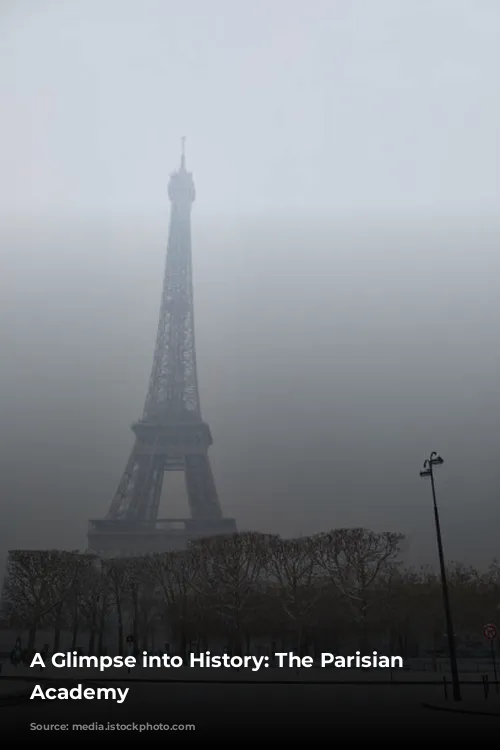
(183, 152)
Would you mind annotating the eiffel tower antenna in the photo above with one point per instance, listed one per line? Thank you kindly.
(183, 152)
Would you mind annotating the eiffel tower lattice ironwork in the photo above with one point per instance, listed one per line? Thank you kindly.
(171, 435)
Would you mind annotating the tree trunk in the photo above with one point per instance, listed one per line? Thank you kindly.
(32, 637)
(183, 639)
(102, 622)
(135, 624)
(298, 640)
(74, 635)
(93, 626)
(120, 626)
(57, 629)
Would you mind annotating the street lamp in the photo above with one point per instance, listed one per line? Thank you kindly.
(428, 471)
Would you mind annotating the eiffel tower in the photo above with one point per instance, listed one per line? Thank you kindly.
(171, 435)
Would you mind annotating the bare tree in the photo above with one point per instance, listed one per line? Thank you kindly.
(229, 570)
(355, 560)
(490, 586)
(171, 575)
(294, 579)
(332, 588)
(95, 601)
(38, 585)
(117, 574)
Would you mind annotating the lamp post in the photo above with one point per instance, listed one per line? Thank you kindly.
(428, 471)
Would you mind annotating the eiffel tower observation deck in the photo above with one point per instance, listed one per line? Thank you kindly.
(171, 435)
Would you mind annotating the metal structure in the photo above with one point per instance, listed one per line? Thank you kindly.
(171, 435)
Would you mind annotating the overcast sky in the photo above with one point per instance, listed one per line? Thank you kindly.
(346, 237)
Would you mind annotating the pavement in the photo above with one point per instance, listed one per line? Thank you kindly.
(470, 705)
(12, 689)
(9, 687)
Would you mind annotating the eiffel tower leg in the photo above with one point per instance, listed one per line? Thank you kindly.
(138, 494)
(200, 486)
(147, 492)
(121, 500)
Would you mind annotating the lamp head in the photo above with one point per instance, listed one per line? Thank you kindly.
(425, 473)
(437, 460)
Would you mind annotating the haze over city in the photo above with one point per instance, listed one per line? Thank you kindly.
(345, 248)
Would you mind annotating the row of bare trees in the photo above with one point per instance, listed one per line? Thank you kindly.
(325, 592)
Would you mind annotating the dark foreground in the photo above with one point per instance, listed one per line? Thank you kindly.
(256, 711)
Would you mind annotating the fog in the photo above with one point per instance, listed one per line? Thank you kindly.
(345, 248)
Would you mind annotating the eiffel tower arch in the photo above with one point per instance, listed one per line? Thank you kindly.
(171, 435)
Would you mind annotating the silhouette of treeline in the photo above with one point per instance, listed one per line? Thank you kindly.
(332, 591)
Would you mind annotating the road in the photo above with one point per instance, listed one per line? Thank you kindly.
(261, 710)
